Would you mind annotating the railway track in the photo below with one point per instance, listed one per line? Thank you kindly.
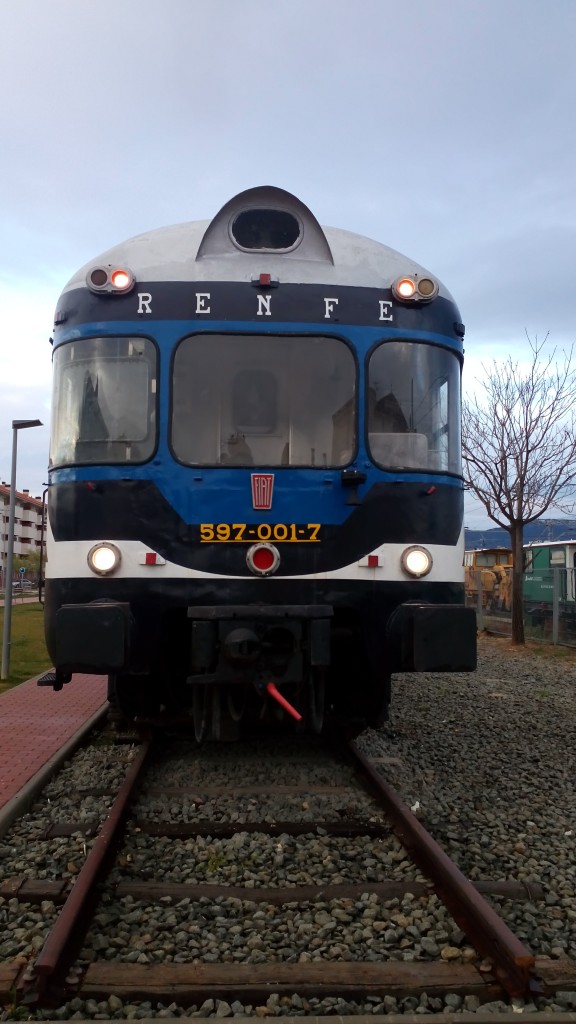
(226, 801)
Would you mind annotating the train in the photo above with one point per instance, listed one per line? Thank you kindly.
(541, 558)
(255, 494)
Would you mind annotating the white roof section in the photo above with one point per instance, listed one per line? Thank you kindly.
(209, 251)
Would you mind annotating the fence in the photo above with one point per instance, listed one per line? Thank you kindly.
(549, 603)
(29, 580)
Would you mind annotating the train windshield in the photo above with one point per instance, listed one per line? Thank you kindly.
(265, 400)
(104, 401)
(413, 407)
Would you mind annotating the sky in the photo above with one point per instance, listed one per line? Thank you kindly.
(442, 128)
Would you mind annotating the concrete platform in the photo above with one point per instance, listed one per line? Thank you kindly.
(36, 722)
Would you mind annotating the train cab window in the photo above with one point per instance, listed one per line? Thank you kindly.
(104, 401)
(413, 407)
(265, 400)
(558, 558)
(486, 558)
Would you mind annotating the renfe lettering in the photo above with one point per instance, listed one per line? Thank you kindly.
(144, 302)
(264, 305)
(202, 300)
(383, 308)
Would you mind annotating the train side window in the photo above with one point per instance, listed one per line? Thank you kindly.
(104, 401)
(557, 558)
(413, 407)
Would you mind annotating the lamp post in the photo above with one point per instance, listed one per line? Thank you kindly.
(16, 426)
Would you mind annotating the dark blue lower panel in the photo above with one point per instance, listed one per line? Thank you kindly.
(149, 623)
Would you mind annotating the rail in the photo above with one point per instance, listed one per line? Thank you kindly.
(60, 947)
(513, 962)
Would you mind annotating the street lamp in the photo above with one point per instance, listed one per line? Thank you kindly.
(16, 426)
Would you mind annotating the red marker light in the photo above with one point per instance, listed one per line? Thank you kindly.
(263, 559)
(406, 288)
(265, 280)
(121, 278)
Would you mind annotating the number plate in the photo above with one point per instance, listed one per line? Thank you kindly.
(252, 533)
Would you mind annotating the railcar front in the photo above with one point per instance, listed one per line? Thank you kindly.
(256, 500)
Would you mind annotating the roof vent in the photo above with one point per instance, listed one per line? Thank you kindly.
(265, 219)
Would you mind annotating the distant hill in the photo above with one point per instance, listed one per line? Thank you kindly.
(542, 530)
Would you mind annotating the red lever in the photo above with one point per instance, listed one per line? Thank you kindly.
(282, 701)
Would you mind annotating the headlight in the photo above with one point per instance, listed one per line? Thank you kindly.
(416, 561)
(110, 279)
(104, 558)
(414, 289)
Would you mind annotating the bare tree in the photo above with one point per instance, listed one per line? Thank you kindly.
(519, 449)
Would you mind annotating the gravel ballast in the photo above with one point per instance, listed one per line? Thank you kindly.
(487, 761)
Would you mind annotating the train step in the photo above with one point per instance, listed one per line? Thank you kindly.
(48, 679)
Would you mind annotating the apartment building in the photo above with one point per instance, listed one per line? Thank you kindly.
(29, 512)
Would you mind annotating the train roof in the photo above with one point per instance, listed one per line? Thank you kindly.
(477, 551)
(263, 229)
(548, 543)
(529, 544)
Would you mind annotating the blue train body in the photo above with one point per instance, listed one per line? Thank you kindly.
(256, 499)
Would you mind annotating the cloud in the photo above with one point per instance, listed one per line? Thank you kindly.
(442, 130)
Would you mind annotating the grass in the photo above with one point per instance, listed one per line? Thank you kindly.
(28, 654)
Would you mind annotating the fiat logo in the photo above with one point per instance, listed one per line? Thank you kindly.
(262, 488)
